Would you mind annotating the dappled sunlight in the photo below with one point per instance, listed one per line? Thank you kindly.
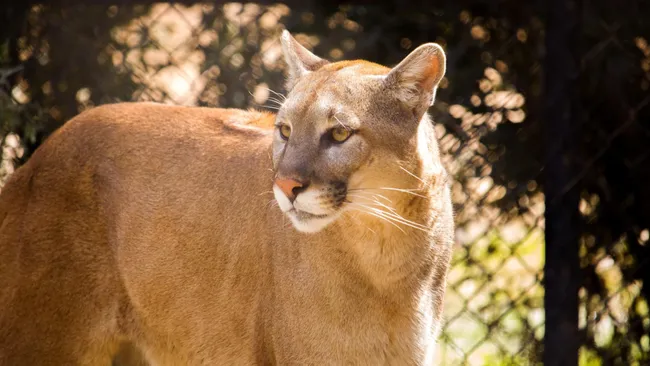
(487, 117)
(166, 51)
(11, 150)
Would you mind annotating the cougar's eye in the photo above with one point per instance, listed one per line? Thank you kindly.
(340, 134)
(285, 131)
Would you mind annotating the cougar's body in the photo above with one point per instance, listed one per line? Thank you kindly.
(170, 228)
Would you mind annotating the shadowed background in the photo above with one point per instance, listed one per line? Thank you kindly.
(543, 120)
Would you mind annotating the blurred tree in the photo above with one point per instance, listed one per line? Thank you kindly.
(78, 54)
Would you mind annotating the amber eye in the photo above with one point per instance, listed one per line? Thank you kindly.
(285, 131)
(340, 134)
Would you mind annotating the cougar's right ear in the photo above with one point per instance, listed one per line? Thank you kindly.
(414, 81)
(300, 61)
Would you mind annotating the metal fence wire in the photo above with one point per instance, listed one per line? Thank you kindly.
(542, 117)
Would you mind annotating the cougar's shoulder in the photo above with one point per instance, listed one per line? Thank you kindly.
(142, 137)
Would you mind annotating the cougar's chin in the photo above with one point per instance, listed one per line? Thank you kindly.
(309, 223)
(303, 220)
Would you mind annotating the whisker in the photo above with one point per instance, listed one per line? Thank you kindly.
(275, 100)
(401, 219)
(341, 123)
(413, 175)
(383, 218)
(373, 201)
(374, 195)
(341, 112)
(276, 93)
(402, 189)
(391, 188)
(362, 196)
(394, 215)
(268, 106)
(356, 219)
(407, 223)
(408, 191)
(381, 196)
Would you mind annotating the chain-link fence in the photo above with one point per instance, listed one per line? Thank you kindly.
(492, 114)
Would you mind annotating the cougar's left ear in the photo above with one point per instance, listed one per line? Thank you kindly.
(300, 61)
(415, 80)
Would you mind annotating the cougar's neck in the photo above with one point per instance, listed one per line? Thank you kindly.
(392, 255)
(398, 253)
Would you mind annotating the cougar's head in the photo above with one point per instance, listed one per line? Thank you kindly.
(349, 131)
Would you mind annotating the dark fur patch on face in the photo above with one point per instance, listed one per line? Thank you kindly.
(336, 192)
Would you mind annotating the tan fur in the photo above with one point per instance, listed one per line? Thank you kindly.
(156, 225)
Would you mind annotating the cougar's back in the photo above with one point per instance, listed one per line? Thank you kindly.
(73, 271)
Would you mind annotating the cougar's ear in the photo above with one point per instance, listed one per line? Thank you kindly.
(415, 80)
(300, 61)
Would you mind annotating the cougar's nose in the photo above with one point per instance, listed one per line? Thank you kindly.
(290, 187)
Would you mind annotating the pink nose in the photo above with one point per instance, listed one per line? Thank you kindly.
(290, 187)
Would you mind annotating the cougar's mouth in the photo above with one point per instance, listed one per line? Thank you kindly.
(308, 222)
(313, 209)
(305, 216)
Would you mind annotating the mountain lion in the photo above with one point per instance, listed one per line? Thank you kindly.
(320, 235)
